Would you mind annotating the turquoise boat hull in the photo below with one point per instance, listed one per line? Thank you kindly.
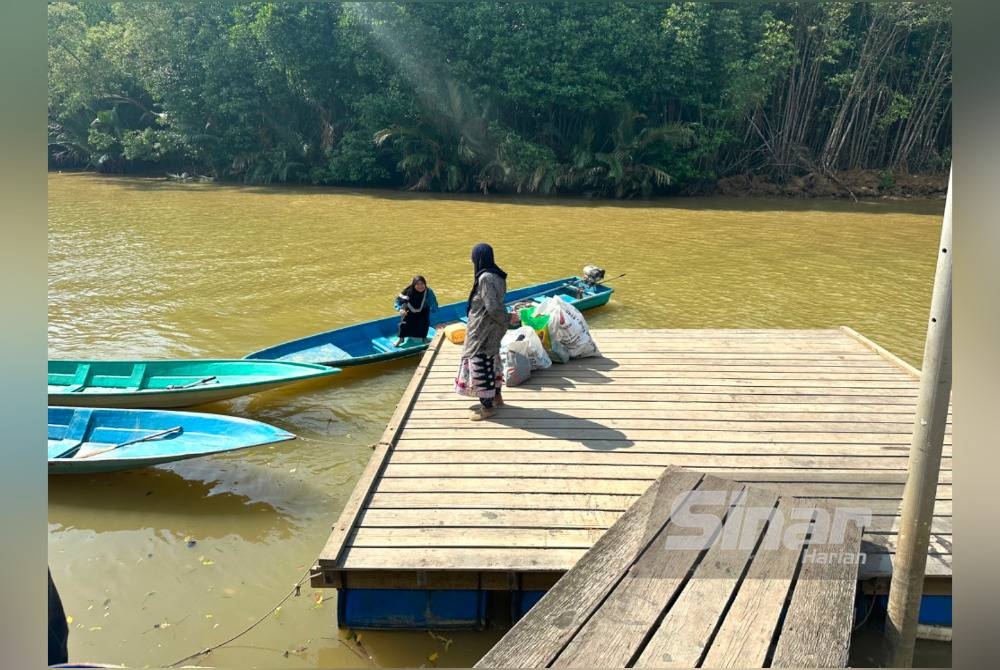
(372, 341)
(87, 440)
(164, 384)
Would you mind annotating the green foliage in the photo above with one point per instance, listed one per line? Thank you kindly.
(886, 180)
(615, 99)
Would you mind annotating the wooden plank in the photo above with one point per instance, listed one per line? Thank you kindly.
(604, 484)
(461, 559)
(669, 414)
(502, 559)
(880, 566)
(543, 510)
(627, 358)
(659, 333)
(886, 451)
(684, 633)
(886, 543)
(508, 518)
(883, 352)
(682, 384)
(331, 553)
(553, 499)
(628, 456)
(744, 638)
(528, 470)
(833, 489)
(659, 376)
(569, 604)
(529, 491)
(816, 632)
(748, 395)
(489, 430)
(472, 537)
(606, 367)
(513, 513)
(616, 633)
(549, 420)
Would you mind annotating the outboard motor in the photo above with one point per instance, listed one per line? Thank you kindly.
(592, 274)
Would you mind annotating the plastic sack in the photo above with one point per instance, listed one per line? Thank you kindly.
(536, 321)
(568, 329)
(525, 341)
(516, 367)
(539, 323)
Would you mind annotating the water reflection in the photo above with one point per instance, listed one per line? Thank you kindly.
(239, 500)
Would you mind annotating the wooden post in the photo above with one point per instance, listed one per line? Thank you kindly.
(924, 463)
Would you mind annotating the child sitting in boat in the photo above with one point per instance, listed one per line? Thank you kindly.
(415, 304)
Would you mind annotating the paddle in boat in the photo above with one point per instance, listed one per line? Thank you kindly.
(374, 341)
(87, 440)
(166, 384)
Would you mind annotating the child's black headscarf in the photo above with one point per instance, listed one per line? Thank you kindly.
(413, 296)
(482, 262)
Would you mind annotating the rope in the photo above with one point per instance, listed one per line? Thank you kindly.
(295, 591)
(864, 619)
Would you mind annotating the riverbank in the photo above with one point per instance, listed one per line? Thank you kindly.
(843, 184)
(867, 184)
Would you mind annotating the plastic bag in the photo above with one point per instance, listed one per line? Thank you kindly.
(516, 367)
(539, 322)
(547, 308)
(536, 321)
(567, 329)
(525, 341)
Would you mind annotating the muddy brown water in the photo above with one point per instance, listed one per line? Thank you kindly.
(156, 564)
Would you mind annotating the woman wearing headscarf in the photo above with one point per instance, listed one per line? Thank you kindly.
(415, 304)
(480, 372)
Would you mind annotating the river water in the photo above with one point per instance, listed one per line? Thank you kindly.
(156, 564)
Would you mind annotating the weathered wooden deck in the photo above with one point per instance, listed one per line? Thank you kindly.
(514, 502)
(750, 595)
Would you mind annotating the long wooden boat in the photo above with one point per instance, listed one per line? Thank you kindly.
(160, 384)
(373, 341)
(86, 440)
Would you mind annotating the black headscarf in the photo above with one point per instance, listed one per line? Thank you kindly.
(483, 263)
(415, 297)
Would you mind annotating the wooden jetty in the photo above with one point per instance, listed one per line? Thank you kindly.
(449, 513)
(746, 596)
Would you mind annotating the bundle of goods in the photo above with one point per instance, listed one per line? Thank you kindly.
(521, 351)
(539, 323)
(568, 334)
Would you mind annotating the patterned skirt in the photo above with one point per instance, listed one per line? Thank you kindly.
(479, 376)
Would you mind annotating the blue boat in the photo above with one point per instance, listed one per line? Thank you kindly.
(165, 384)
(373, 341)
(89, 440)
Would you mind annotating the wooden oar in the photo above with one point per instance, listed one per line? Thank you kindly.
(151, 436)
(196, 383)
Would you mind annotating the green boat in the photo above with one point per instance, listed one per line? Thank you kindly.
(160, 384)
